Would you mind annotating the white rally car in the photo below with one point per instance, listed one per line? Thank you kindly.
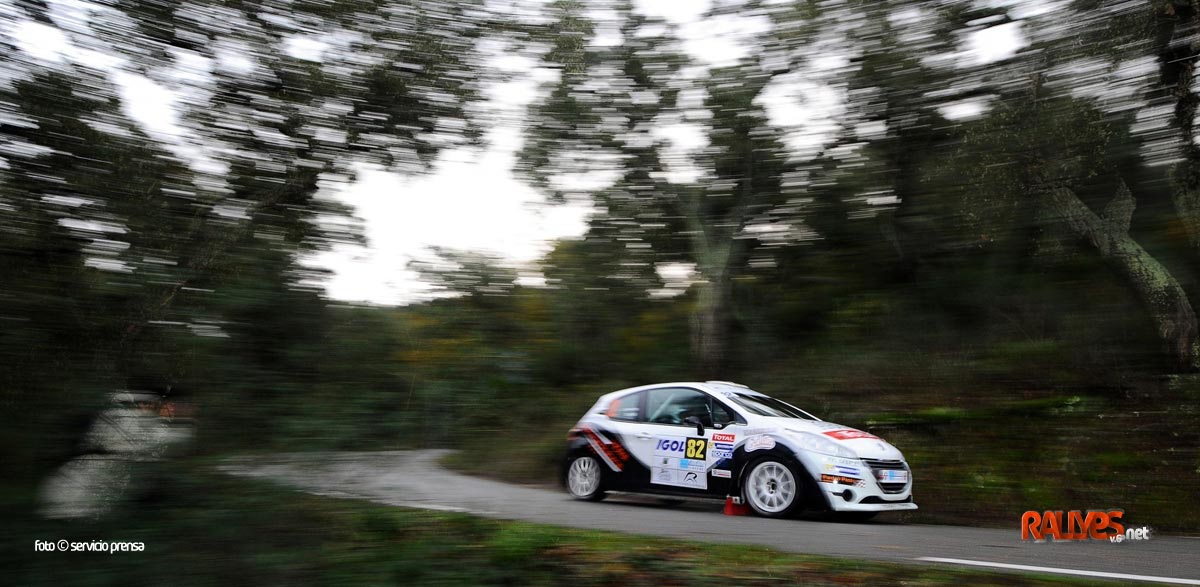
(718, 439)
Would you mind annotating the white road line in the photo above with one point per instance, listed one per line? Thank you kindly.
(959, 561)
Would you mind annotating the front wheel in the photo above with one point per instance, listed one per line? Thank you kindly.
(773, 489)
(584, 478)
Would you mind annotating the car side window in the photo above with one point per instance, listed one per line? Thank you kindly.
(722, 415)
(626, 408)
(673, 405)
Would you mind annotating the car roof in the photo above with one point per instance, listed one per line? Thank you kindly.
(713, 387)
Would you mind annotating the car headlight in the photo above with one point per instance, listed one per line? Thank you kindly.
(820, 444)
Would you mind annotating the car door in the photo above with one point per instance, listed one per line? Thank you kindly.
(676, 458)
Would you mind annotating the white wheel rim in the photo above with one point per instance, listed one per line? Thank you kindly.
(584, 477)
(771, 487)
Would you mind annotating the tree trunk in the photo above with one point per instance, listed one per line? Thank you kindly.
(1157, 289)
(715, 250)
(1186, 196)
(710, 327)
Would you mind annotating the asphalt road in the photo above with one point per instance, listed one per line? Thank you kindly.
(414, 479)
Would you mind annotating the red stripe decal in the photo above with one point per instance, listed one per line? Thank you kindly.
(613, 452)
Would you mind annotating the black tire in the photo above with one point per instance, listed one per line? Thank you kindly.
(774, 487)
(588, 483)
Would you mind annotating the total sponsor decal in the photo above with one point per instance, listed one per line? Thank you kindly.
(722, 445)
(1079, 525)
(848, 434)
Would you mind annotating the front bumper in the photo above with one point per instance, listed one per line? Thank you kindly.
(851, 485)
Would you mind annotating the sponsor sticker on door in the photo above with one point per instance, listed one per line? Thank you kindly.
(681, 462)
(679, 478)
(678, 446)
(721, 450)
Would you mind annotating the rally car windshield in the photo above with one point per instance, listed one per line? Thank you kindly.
(768, 406)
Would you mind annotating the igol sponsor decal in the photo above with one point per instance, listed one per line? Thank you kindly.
(692, 448)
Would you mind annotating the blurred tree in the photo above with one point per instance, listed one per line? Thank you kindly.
(602, 323)
(604, 118)
(476, 275)
(1033, 157)
(164, 254)
(86, 201)
(1071, 146)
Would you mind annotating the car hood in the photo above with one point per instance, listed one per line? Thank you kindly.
(864, 444)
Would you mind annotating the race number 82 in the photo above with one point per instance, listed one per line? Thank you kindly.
(696, 447)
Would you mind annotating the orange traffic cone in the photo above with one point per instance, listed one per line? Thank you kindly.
(735, 507)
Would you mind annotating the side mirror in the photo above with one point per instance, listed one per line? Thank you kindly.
(695, 421)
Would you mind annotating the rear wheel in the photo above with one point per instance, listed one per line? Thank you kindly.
(585, 478)
(773, 489)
